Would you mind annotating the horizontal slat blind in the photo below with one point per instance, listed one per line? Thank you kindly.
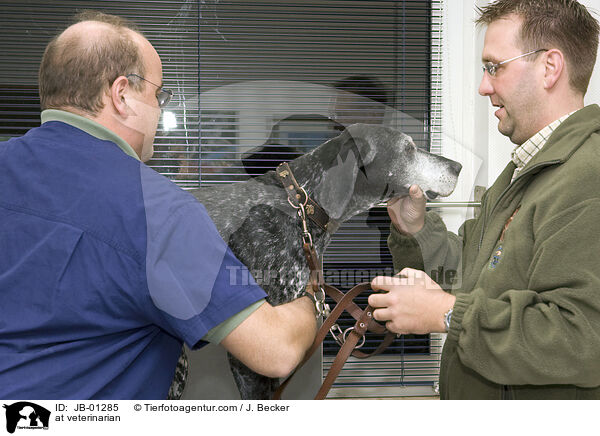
(260, 82)
(277, 78)
(264, 63)
(27, 26)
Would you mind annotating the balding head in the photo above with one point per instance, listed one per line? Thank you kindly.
(81, 63)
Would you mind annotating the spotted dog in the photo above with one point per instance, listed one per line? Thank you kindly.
(347, 175)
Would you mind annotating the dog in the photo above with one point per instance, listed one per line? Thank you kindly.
(347, 175)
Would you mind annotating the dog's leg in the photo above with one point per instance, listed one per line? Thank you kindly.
(252, 386)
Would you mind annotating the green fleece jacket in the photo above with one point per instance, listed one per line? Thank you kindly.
(526, 322)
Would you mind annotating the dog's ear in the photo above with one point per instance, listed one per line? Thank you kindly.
(338, 185)
(362, 136)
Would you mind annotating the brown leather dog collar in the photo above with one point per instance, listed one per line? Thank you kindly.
(297, 196)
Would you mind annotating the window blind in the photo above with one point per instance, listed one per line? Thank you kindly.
(260, 82)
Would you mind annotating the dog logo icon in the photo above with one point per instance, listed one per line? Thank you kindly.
(26, 415)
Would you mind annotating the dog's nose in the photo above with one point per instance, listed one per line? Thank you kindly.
(456, 167)
(431, 195)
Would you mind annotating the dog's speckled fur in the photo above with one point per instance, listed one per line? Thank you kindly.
(347, 175)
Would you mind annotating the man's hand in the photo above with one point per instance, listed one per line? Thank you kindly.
(408, 212)
(413, 302)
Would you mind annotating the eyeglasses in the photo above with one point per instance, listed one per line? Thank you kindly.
(162, 95)
(492, 68)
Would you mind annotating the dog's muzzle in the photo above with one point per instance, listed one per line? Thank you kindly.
(431, 195)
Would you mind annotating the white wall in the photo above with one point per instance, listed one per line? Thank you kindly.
(593, 95)
(464, 123)
(469, 126)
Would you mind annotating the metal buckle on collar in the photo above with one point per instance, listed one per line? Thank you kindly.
(304, 203)
(297, 196)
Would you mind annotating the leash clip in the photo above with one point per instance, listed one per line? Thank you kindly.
(301, 207)
(337, 334)
(340, 336)
(323, 309)
(306, 236)
(318, 299)
(348, 330)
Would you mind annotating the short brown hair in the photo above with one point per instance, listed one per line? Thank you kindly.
(75, 72)
(563, 24)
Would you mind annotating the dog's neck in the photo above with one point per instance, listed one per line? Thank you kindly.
(311, 172)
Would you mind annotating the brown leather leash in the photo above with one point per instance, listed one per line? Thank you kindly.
(349, 338)
(363, 324)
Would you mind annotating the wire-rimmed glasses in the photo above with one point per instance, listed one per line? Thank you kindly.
(492, 68)
(162, 95)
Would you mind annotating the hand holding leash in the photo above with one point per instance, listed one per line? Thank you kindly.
(413, 303)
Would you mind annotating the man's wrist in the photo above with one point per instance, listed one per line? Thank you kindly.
(408, 230)
(446, 317)
(402, 231)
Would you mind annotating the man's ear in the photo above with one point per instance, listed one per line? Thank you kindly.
(554, 67)
(118, 94)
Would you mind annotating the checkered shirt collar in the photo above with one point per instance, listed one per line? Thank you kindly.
(525, 152)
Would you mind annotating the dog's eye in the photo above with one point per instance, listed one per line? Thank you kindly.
(410, 148)
(407, 143)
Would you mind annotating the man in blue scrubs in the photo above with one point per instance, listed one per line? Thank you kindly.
(107, 267)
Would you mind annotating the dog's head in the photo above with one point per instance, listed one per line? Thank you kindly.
(368, 164)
